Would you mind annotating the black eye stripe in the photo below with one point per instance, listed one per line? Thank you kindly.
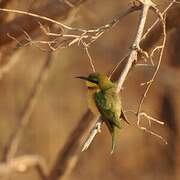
(94, 81)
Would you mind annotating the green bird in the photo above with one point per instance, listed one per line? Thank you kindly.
(104, 99)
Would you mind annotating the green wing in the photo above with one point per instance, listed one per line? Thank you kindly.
(106, 106)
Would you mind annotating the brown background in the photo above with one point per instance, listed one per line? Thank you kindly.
(62, 101)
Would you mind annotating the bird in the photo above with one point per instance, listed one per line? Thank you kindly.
(104, 100)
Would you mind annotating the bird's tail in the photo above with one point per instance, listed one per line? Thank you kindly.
(116, 124)
(113, 134)
(113, 126)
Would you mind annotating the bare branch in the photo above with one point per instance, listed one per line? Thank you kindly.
(61, 40)
(29, 23)
(117, 65)
(67, 157)
(154, 33)
(155, 73)
(89, 56)
(92, 134)
(132, 58)
(61, 25)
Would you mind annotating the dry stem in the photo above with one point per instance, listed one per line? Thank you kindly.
(67, 152)
(131, 59)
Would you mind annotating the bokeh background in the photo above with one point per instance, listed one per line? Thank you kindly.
(62, 100)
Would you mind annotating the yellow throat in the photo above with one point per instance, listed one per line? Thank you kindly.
(92, 89)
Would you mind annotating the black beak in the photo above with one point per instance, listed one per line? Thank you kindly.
(87, 79)
(83, 78)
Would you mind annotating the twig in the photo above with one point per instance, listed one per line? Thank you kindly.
(102, 28)
(139, 114)
(9, 30)
(117, 65)
(16, 136)
(58, 171)
(131, 59)
(98, 31)
(152, 53)
(69, 40)
(89, 56)
(178, 2)
(92, 134)
(133, 54)
(8, 66)
(40, 17)
(155, 73)
(155, 23)
(69, 3)
(29, 23)
(68, 156)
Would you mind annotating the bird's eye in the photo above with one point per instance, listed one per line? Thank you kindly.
(95, 81)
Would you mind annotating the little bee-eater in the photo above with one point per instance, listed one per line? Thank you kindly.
(104, 99)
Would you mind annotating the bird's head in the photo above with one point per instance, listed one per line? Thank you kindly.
(96, 80)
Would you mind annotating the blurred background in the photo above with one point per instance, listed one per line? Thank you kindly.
(62, 99)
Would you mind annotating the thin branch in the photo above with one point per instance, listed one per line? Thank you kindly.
(89, 56)
(133, 54)
(155, 73)
(63, 26)
(131, 60)
(154, 33)
(139, 114)
(149, 39)
(117, 66)
(70, 150)
(151, 118)
(67, 39)
(29, 23)
(9, 31)
(155, 23)
(92, 134)
(39, 17)
(68, 155)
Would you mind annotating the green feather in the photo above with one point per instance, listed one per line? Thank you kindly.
(107, 101)
(107, 106)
